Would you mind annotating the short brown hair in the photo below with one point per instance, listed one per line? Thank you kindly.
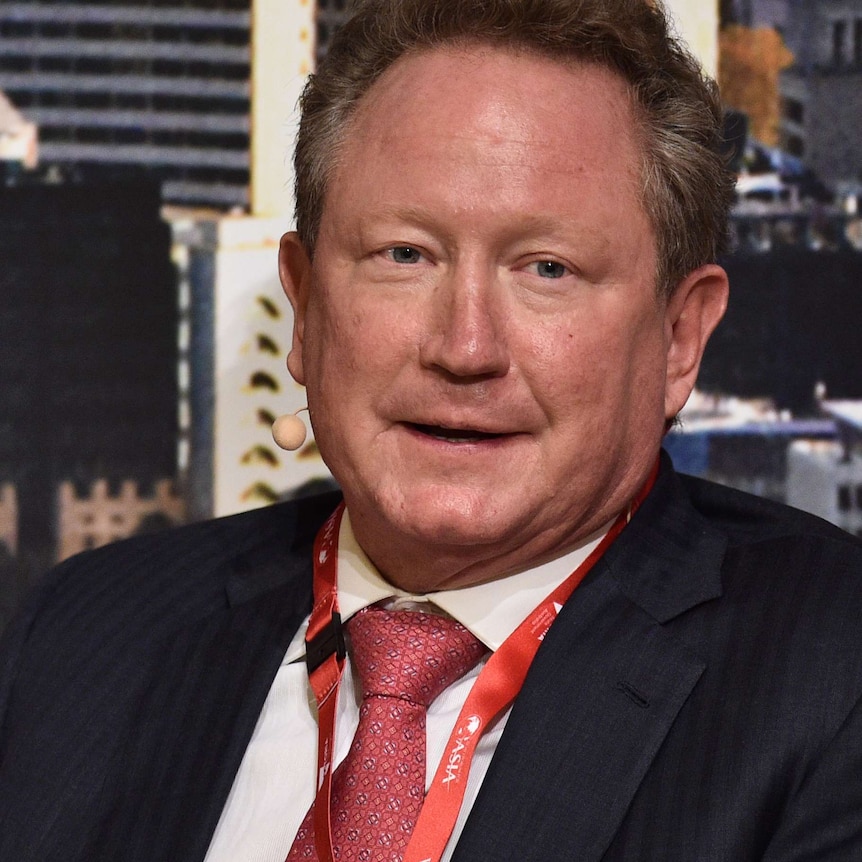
(686, 186)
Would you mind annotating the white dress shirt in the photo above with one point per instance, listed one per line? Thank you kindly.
(275, 784)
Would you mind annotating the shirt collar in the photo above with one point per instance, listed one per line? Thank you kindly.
(491, 611)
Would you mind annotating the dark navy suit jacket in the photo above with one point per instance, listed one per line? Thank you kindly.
(697, 699)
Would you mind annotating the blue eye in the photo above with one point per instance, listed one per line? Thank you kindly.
(405, 254)
(550, 269)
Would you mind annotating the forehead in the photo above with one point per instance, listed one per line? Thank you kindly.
(527, 105)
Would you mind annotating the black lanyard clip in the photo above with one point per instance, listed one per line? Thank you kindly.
(326, 643)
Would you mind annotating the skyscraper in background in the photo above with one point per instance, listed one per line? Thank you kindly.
(124, 85)
(159, 85)
(821, 90)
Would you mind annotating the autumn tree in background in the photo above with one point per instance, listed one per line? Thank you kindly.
(749, 63)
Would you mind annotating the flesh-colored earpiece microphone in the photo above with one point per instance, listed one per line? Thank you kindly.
(289, 431)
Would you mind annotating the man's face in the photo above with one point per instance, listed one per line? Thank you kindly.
(489, 369)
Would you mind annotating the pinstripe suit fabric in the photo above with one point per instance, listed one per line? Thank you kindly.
(697, 698)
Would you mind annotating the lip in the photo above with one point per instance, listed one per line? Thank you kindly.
(457, 435)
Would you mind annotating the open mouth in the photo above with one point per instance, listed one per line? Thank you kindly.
(453, 435)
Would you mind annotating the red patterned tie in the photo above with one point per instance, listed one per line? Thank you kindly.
(404, 659)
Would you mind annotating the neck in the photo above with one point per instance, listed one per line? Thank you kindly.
(419, 568)
(419, 562)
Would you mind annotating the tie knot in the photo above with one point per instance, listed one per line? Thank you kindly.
(409, 654)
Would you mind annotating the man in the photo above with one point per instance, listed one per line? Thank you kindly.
(503, 281)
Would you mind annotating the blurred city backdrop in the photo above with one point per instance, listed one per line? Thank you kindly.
(144, 183)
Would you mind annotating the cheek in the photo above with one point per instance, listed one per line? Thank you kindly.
(355, 347)
(643, 375)
(330, 338)
(605, 363)
(573, 359)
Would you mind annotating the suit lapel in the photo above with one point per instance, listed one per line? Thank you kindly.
(601, 695)
(196, 717)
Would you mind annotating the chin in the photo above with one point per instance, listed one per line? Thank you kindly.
(452, 517)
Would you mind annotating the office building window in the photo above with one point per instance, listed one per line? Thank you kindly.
(795, 146)
(794, 110)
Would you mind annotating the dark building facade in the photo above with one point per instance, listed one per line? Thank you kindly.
(794, 312)
(88, 345)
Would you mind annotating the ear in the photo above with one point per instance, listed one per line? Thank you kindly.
(692, 313)
(294, 270)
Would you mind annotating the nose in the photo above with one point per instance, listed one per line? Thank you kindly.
(467, 335)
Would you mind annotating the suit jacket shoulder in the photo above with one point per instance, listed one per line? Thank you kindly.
(137, 665)
(698, 697)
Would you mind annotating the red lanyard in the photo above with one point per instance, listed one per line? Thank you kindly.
(495, 688)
